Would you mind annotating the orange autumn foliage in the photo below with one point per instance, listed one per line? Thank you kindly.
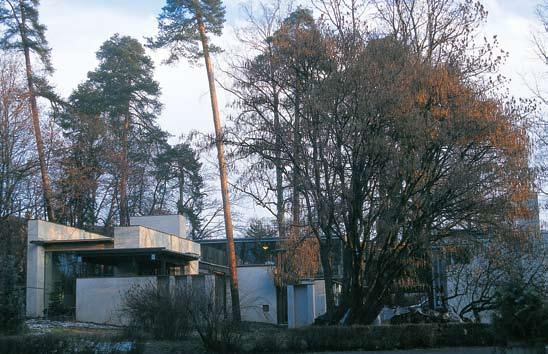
(297, 260)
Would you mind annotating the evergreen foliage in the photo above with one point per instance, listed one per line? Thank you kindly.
(181, 165)
(17, 16)
(521, 312)
(184, 25)
(125, 83)
(178, 27)
(23, 33)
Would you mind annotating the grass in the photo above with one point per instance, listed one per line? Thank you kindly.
(267, 338)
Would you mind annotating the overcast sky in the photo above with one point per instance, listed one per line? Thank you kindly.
(76, 29)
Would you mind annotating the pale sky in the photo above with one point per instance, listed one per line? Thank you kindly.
(77, 28)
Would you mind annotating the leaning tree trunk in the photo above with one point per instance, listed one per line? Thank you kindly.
(46, 185)
(235, 297)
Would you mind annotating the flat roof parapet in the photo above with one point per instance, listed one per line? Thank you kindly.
(40, 230)
(144, 237)
(171, 224)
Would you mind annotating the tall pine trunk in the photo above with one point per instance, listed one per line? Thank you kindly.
(296, 202)
(46, 185)
(280, 208)
(124, 166)
(235, 297)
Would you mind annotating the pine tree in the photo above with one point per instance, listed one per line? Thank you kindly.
(183, 26)
(85, 159)
(23, 32)
(181, 164)
(129, 97)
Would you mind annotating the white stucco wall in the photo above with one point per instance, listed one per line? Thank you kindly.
(256, 285)
(301, 307)
(171, 224)
(39, 230)
(142, 237)
(100, 300)
(463, 289)
(319, 294)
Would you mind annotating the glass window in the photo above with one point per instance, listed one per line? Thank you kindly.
(61, 271)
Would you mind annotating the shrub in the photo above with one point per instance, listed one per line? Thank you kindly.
(156, 311)
(11, 297)
(173, 314)
(387, 337)
(521, 313)
(211, 320)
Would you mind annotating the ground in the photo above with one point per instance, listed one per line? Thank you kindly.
(463, 350)
(193, 344)
(37, 326)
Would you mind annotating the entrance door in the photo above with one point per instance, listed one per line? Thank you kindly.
(281, 304)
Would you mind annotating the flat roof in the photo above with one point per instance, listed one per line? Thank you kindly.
(72, 242)
(240, 239)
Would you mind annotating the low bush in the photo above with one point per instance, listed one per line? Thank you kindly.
(163, 313)
(65, 344)
(521, 313)
(389, 337)
(157, 312)
(12, 315)
(211, 320)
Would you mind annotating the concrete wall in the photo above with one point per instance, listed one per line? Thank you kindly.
(142, 237)
(461, 280)
(171, 224)
(124, 237)
(100, 300)
(257, 289)
(39, 230)
(319, 295)
(301, 307)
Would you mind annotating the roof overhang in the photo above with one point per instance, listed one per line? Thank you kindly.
(92, 241)
(161, 253)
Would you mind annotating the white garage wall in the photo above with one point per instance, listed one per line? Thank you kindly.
(319, 294)
(99, 300)
(256, 285)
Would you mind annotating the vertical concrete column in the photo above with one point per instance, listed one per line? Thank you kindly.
(291, 306)
(39, 230)
(35, 272)
(301, 304)
(310, 302)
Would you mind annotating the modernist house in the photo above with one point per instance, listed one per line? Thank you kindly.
(84, 275)
(458, 283)
(261, 298)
